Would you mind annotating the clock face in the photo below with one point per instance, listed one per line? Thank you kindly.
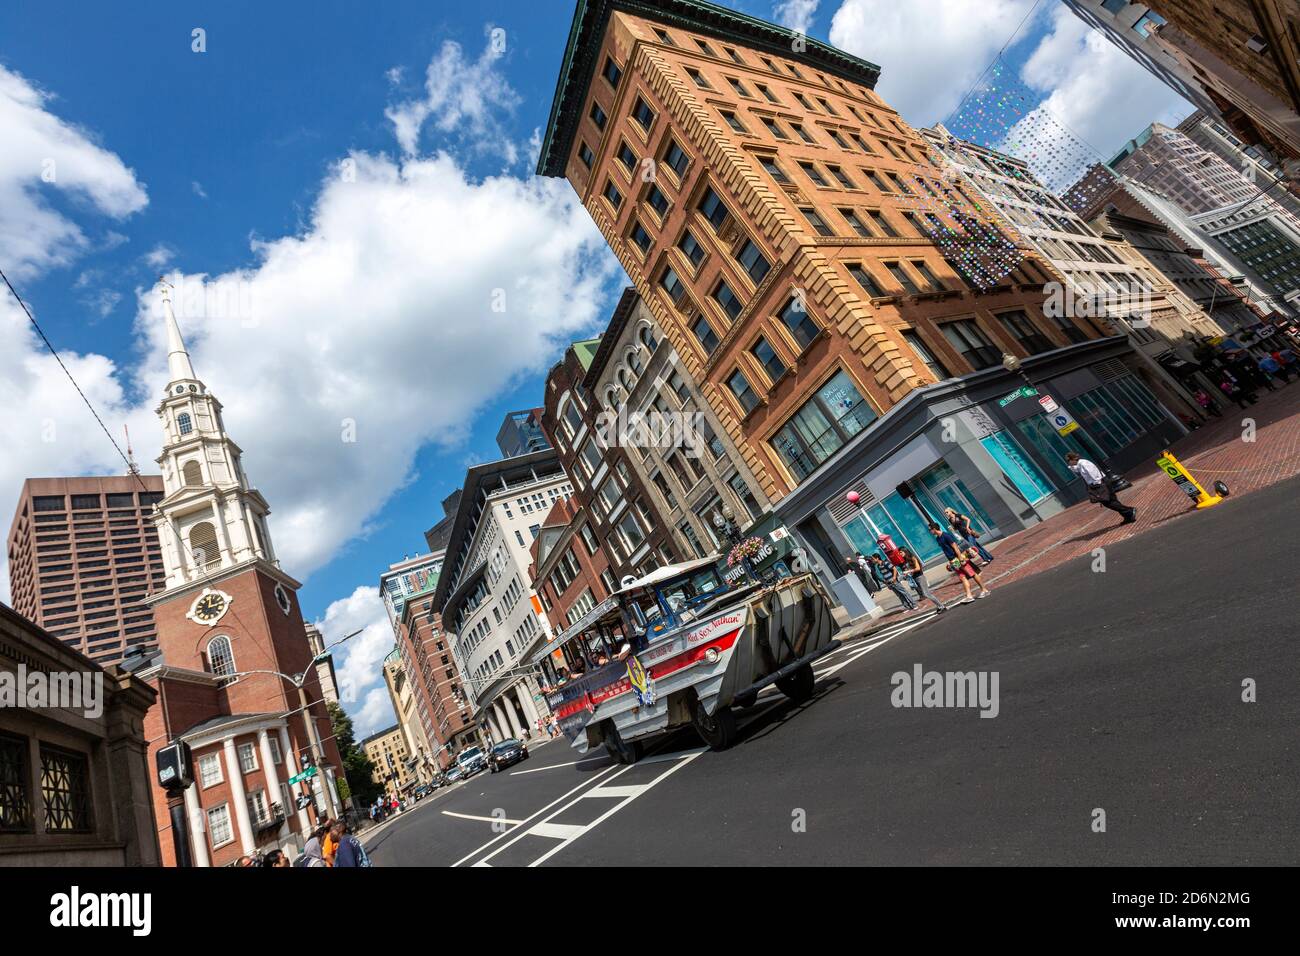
(282, 598)
(209, 607)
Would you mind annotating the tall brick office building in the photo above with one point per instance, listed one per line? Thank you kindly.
(845, 306)
(781, 178)
(83, 554)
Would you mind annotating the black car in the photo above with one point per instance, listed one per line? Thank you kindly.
(506, 753)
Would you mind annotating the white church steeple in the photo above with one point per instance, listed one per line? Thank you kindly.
(178, 358)
(210, 518)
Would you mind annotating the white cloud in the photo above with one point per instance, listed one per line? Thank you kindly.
(795, 14)
(1094, 91)
(358, 661)
(930, 52)
(379, 312)
(198, 189)
(39, 154)
(159, 256)
(463, 98)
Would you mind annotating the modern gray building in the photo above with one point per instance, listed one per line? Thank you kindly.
(980, 444)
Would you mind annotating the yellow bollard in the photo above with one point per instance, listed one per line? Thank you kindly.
(1175, 469)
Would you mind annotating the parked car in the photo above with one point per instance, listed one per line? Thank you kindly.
(455, 773)
(507, 753)
(471, 760)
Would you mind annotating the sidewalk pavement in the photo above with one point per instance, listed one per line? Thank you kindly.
(1225, 448)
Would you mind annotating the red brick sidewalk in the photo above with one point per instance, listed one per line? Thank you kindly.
(1214, 451)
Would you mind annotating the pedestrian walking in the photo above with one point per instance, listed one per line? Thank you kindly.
(888, 577)
(1230, 388)
(1099, 488)
(915, 571)
(1270, 368)
(1208, 405)
(963, 529)
(959, 560)
(350, 851)
(853, 566)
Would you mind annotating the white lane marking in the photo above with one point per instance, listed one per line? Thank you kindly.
(614, 809)
(678, 759)
(585, 783)
(557, 831)
(572, 763)
(470, 816)
(675, 755)
(860, 652)
(616, 792)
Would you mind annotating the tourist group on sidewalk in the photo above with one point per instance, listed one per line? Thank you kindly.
(900, 570)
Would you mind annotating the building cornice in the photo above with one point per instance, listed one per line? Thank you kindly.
(586, 36)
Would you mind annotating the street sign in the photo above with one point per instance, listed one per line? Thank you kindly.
(305, 775)
(1064, 422)
(1024, 391)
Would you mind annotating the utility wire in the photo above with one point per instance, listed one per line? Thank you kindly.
(59, 359)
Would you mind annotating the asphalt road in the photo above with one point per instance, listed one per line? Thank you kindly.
(1119, 691)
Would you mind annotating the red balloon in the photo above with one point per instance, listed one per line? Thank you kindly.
(853, 497)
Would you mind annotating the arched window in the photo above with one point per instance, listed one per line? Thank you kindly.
(192, 473)
(634, 361)
(221, 659)
(648, 339)
(183, 422)
(625, 380)
(203, 545)
(611, 398)
(570, 415)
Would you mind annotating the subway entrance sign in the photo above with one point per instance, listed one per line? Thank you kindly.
(1175, 469)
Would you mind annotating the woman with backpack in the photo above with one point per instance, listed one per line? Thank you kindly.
(915, 572)
(962, 527)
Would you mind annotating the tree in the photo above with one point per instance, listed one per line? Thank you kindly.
(359, 772)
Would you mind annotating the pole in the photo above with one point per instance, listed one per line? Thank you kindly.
(180, 828)
(316, 754)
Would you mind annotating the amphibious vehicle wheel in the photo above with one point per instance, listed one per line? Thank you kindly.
(623, 751)
(798, 686)
(719, 730)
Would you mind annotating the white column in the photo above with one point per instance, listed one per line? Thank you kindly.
(272, 774)
(291, 767)
(237, 795)
(509, 708)
(198, 826)
(495, 722)
(525, 692)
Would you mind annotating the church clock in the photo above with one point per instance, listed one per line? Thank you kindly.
(209, 606)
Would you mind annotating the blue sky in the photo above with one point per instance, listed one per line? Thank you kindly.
(367, 297)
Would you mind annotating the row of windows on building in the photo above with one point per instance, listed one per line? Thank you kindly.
(86, 502)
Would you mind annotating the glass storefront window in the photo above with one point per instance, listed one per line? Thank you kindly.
(834, 414)
(1029, 481)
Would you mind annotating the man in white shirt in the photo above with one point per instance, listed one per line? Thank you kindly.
(1098, 488)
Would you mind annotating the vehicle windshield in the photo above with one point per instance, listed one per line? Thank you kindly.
(469, 754)
(506, 745)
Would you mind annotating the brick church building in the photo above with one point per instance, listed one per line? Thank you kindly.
(232, 644)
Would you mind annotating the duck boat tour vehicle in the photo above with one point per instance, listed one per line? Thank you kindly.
(680, 646)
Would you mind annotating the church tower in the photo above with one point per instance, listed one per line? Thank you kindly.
(230, 631)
